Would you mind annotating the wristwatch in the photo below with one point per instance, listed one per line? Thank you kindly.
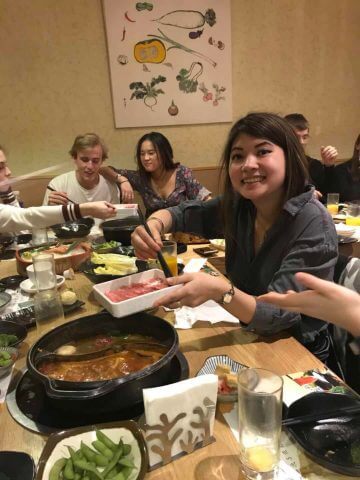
(227, 296)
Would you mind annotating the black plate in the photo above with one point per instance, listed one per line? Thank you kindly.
(16, 466)
(329, 443)
(87, 267)
(11, 282)
(12, 328)
(23, 238)
(26, 316)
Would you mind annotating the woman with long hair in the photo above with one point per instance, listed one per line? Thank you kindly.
(273, 227)
(160, 181)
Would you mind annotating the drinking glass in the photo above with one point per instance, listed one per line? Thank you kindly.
(39, 236)
(169, 251)
(353, 214)
(44, 270)
(332, 203)
(49, 311)
(260, 409)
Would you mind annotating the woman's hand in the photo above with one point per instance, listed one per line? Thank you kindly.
(326, 300)
(58, 198)
(197, 288)
(127, 192)
(100, 209)
(146, 247)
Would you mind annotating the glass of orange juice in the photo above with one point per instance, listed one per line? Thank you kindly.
(353, 214)
(260, 410)
(169, 251)
(332, 203)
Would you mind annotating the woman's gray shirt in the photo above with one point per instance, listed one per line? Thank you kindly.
(303, 238)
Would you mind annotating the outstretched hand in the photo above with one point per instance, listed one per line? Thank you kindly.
(326, 300)
(99, 209)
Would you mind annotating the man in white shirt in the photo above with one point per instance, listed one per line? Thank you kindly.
(85, 184)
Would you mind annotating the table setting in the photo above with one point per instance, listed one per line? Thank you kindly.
(197, 342)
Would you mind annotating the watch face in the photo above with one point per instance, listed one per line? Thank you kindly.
(227, 298)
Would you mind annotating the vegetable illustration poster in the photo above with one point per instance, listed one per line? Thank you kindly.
(170, 61)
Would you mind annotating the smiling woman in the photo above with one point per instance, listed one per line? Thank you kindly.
(273, 227)
(160, 181)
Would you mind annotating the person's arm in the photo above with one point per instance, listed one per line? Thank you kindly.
(146, 246)
(7, 196)
(194, 189)
(325, 300)
(13, 219)
(114, 176)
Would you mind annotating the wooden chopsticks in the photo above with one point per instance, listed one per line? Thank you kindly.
(160, 256)
(315, 417)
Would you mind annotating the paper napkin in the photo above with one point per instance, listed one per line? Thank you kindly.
(209, 311)
(179, 417)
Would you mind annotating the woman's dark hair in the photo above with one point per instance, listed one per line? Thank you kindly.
(355, 161)
(163, 149)
(278, 131)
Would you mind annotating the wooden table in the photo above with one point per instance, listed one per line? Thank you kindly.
(220, 459)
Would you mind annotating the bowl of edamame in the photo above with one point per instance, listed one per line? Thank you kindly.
(107, 450)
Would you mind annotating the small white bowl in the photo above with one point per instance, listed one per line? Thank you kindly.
(210, 367)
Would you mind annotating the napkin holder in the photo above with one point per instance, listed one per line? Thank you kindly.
(179, 418)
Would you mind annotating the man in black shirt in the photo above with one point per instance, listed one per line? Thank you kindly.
(321, 172)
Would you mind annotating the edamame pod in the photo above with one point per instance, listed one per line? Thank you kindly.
(113, 462)
(101, 460)
(56, 469)
(126, 449)
(89, 468)
(68, 472)
(100, 447)
(119, 476)
(105, 440)
(88, 452)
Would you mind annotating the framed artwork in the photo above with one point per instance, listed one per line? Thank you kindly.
(170, 61)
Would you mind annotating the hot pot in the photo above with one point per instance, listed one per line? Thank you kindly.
(107, 395)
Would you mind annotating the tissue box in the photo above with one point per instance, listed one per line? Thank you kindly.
(132, 305)
(124, 210)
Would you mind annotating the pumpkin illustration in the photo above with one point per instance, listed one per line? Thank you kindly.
(150, 51)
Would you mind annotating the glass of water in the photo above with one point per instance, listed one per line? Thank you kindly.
(260, 410)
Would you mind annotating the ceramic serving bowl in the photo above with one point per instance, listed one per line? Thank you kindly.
(57, 446)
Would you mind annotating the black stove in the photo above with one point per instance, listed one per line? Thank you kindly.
(33, 409)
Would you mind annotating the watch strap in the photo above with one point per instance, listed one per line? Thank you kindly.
(227, 296)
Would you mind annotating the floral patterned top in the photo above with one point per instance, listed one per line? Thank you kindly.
(186, 188)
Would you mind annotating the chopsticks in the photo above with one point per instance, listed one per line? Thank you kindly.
(53, 190)
(160, 256)
(315, 417)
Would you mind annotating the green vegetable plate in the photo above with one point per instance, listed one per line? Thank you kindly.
(11, 334)
(107, 450)
(8, 356)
